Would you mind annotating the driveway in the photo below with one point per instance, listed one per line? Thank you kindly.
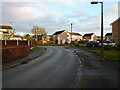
(56, 69)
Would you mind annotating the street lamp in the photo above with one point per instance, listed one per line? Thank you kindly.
(95, 2)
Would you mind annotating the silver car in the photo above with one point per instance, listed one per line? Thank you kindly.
(108, 43)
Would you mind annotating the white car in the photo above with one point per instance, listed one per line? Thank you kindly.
(108, 43)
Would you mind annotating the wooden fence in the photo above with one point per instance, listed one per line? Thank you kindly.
(16, 42)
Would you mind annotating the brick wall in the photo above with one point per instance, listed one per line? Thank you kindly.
(13, 52)
(15, 42)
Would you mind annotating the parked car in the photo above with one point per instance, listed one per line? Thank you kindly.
(74, 42)
(92, 44)
(108, 43)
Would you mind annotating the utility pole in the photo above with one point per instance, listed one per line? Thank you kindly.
(71, 33)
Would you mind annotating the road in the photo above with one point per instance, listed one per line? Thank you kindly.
(55, 69)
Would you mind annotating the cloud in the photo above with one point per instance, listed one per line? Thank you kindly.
(21, 11)
(55, 16)
(112, 9)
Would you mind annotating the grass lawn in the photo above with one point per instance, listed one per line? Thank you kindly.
(77, 46)
(110, 55)
(55, 44)
(34, 48)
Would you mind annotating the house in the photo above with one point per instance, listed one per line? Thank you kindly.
(75, 36)
(98, 38)
(89, 37)
(62, 37)
(59, 37)
(108, 37)
(6, 32)
(116, 31)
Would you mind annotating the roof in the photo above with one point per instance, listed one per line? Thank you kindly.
(89, 34)
(108, 34)
(115, 21)
(58, 32)
(5, 27)
(75, 33)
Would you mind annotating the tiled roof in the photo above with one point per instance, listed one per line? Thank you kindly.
(58, 32)
(115, 21)
(75, 33)
(5, 27)
(89, 34)
(108, 34)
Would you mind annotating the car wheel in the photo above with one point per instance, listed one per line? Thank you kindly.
(115, 45)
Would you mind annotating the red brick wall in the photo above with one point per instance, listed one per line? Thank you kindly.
(13, 52)
(63, 36)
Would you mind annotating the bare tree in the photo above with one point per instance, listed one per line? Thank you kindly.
(38, 31)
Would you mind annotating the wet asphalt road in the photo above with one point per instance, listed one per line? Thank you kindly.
(55, 69)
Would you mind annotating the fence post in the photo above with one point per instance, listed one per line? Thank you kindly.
(5, 41)
(17, 43)
(31, 42)
(28, 43)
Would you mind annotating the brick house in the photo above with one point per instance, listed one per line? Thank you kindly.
(89, 37)
(75, 37)
(6, 32)
(60, 37)
(116, 30)
(108, 37)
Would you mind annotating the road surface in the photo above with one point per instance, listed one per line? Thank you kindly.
(55, 69)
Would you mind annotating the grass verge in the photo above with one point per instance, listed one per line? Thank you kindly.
(113, 56)
(77, 46)
(54, 44)
(34, 48)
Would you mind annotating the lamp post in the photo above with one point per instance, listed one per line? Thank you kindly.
(95, 2)
(71, 33)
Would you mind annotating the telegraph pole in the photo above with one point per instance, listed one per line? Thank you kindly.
(71, 33)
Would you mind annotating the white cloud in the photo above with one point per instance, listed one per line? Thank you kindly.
(55, 0)
(112, 9)
(25, 15)
(21, 11)
(69, 3)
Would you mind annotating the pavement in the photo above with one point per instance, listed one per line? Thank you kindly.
(96, 72)
(31, 55)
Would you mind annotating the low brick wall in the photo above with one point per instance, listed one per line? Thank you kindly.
(13, 52)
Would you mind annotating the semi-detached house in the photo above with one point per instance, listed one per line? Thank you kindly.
(62, 37)
(89, 37)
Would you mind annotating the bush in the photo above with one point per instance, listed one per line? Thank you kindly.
(77, 44)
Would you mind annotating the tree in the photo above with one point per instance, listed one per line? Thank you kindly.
(27, 36)
(38, 31)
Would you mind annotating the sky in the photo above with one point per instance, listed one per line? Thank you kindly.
(56, 15)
